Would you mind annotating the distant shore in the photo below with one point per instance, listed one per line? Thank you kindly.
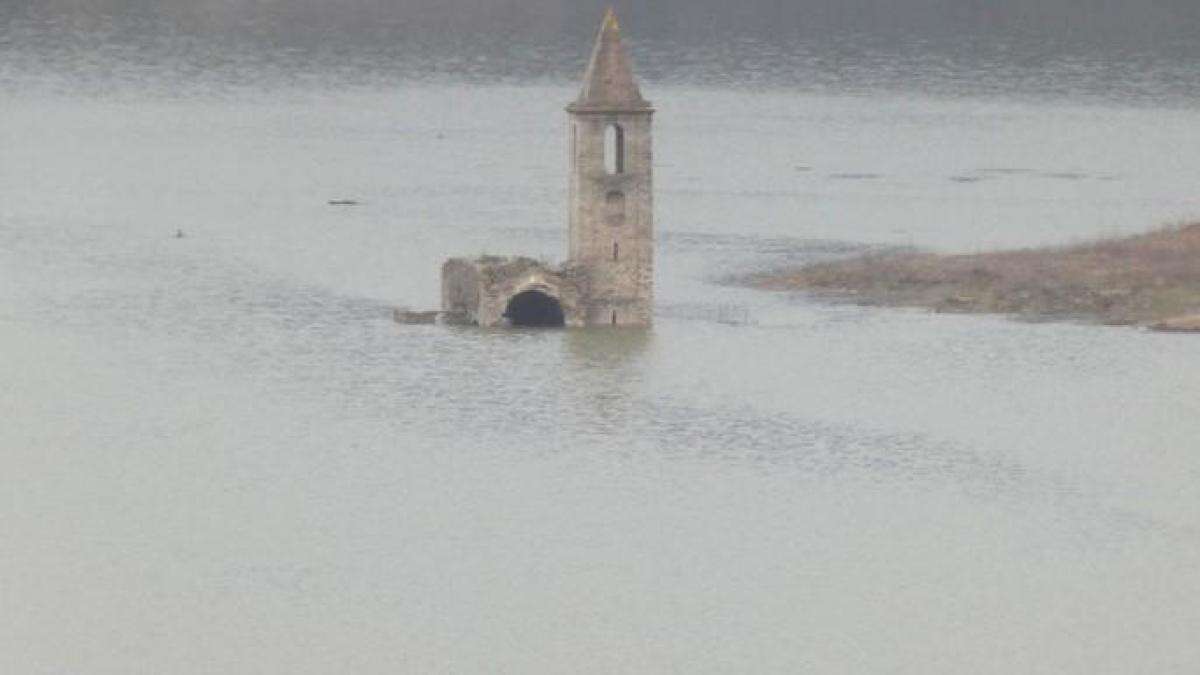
(1150, 279)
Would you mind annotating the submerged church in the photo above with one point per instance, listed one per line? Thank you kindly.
(609, 274)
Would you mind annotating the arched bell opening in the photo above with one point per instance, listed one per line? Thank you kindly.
(534, 309)
(614, 149)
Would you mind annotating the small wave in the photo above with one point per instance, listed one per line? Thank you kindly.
(1005, 171)
(729, 314)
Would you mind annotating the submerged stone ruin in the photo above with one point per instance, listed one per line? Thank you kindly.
(493, 291)
(608, 277)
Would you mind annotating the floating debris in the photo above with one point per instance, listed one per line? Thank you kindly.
(855, 176)
(410, 317)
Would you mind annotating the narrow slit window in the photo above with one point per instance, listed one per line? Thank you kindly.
(616, 251)
(614, 149)
(614, 208)
(614, 317)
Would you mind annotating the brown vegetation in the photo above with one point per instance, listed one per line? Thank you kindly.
(1149, 279)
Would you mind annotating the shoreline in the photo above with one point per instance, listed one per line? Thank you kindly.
(1150, 280)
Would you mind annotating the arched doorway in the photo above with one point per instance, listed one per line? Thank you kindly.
(534, 309)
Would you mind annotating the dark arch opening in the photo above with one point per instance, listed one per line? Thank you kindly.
(534, 309)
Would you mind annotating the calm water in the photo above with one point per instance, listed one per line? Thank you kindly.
(218, 454)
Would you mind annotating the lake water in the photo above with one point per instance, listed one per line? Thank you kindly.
(219, 454)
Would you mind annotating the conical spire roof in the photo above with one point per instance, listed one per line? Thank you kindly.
(608, 82)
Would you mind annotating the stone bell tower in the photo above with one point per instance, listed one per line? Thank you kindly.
(611, 198)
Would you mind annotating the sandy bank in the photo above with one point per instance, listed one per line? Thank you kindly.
(1151, 279)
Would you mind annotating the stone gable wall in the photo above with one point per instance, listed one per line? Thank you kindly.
(482, 288)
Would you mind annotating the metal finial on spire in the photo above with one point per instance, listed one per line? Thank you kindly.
(610, 19)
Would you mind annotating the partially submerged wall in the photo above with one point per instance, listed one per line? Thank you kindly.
(460, 290)
(479, 291)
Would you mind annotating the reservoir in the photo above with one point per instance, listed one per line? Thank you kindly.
(219, 453)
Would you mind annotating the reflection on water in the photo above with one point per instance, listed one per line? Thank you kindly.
(220, 454)
(614, 351)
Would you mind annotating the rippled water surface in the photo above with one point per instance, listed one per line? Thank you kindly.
(219, 454)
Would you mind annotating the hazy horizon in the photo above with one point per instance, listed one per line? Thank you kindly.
(1167, 24)
(1113, 51)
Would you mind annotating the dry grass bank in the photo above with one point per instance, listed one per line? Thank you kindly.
(1148, 279)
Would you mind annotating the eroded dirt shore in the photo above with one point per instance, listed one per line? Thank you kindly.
(1151, 279)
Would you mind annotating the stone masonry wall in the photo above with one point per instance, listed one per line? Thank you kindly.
(481, 289)
(460, 289)
(612, 217)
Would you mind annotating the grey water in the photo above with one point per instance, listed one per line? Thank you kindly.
(218, 454)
